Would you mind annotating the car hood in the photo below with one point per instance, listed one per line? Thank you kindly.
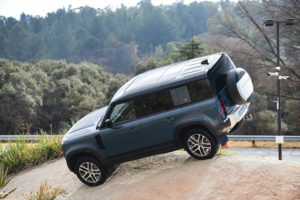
(88, 122)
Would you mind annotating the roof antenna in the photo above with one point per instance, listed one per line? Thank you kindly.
(204, 62)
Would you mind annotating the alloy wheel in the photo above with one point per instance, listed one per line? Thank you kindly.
(199, 145)
(90, 172)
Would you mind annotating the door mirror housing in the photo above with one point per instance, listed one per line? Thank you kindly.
(108, 123)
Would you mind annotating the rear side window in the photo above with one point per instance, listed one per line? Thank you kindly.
(180, 95)
(192, 92)
(200, 90)
(167, 99)
(153, 103)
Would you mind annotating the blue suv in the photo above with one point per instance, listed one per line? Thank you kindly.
(191, 104)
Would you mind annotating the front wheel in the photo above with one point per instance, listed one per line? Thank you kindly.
(90, 171)
(200, 144)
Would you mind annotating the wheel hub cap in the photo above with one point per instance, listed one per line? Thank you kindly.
(90, 172)
(199, 145)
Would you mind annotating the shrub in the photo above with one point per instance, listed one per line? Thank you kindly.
(46, 192)
(21, 153)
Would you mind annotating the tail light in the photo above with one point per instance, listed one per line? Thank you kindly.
(222, 106)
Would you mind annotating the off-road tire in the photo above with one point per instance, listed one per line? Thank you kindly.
(90, 171)
(200, 144)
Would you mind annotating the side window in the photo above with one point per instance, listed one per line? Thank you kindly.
(192, 92)
(180, 95)
(122, 113)
(200, 90)
(153, 103)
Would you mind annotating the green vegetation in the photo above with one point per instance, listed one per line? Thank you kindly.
(175, 52)
(225, 152)
(36, 93)
(46, 192)
(187, 51)
(48, 94)
(239, 31)
(113, 38)
(21, 154)
(3, 176)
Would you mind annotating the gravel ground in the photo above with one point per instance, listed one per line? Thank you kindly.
(173, 176)
(290, 154)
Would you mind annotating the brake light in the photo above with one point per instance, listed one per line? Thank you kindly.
(223, 106)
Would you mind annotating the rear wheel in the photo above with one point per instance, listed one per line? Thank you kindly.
(200, 144)
(90, 171)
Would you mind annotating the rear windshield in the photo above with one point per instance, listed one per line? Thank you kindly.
(218, 73)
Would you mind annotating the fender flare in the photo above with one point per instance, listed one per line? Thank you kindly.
(84, 150)
(189, 124)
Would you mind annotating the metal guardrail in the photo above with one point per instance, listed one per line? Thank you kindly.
(261, 137)
(230, 137)
(31, 138)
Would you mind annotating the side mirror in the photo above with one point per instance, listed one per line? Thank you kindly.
(108, 123)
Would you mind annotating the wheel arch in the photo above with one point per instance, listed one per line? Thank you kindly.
(182, 129)
(74, 155)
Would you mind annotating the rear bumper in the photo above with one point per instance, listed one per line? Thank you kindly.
(238, 113)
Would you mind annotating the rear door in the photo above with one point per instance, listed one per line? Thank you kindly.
(158, 115)
(217, 76)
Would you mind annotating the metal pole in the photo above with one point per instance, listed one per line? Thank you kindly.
(278, 92)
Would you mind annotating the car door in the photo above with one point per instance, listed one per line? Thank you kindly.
(158, 116)
(121, 136)
(158, 130)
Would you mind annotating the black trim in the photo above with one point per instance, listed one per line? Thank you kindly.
(222, 139)
(144, 152)
(99, 141)
(213, 130)
(78, 151)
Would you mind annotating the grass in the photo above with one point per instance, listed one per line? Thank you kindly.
(3, 176)
(46, 192)
(21, 153)
(225, 152)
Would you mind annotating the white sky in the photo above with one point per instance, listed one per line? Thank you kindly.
(14, 8)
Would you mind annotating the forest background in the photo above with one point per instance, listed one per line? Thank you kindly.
(56, 69)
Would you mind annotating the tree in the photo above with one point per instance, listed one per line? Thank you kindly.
(48, 94)
(188, 51)
(247, 25)
(252, 46)
(151, 63)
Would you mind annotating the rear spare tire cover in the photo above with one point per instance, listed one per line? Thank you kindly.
(239, 86)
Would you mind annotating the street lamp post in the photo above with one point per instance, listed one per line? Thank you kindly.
(271, 22)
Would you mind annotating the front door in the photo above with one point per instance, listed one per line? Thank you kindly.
(122, 136)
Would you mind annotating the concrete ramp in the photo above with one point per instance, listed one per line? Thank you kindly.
(173, 176)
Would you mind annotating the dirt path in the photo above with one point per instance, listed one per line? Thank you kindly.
(173, 176)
